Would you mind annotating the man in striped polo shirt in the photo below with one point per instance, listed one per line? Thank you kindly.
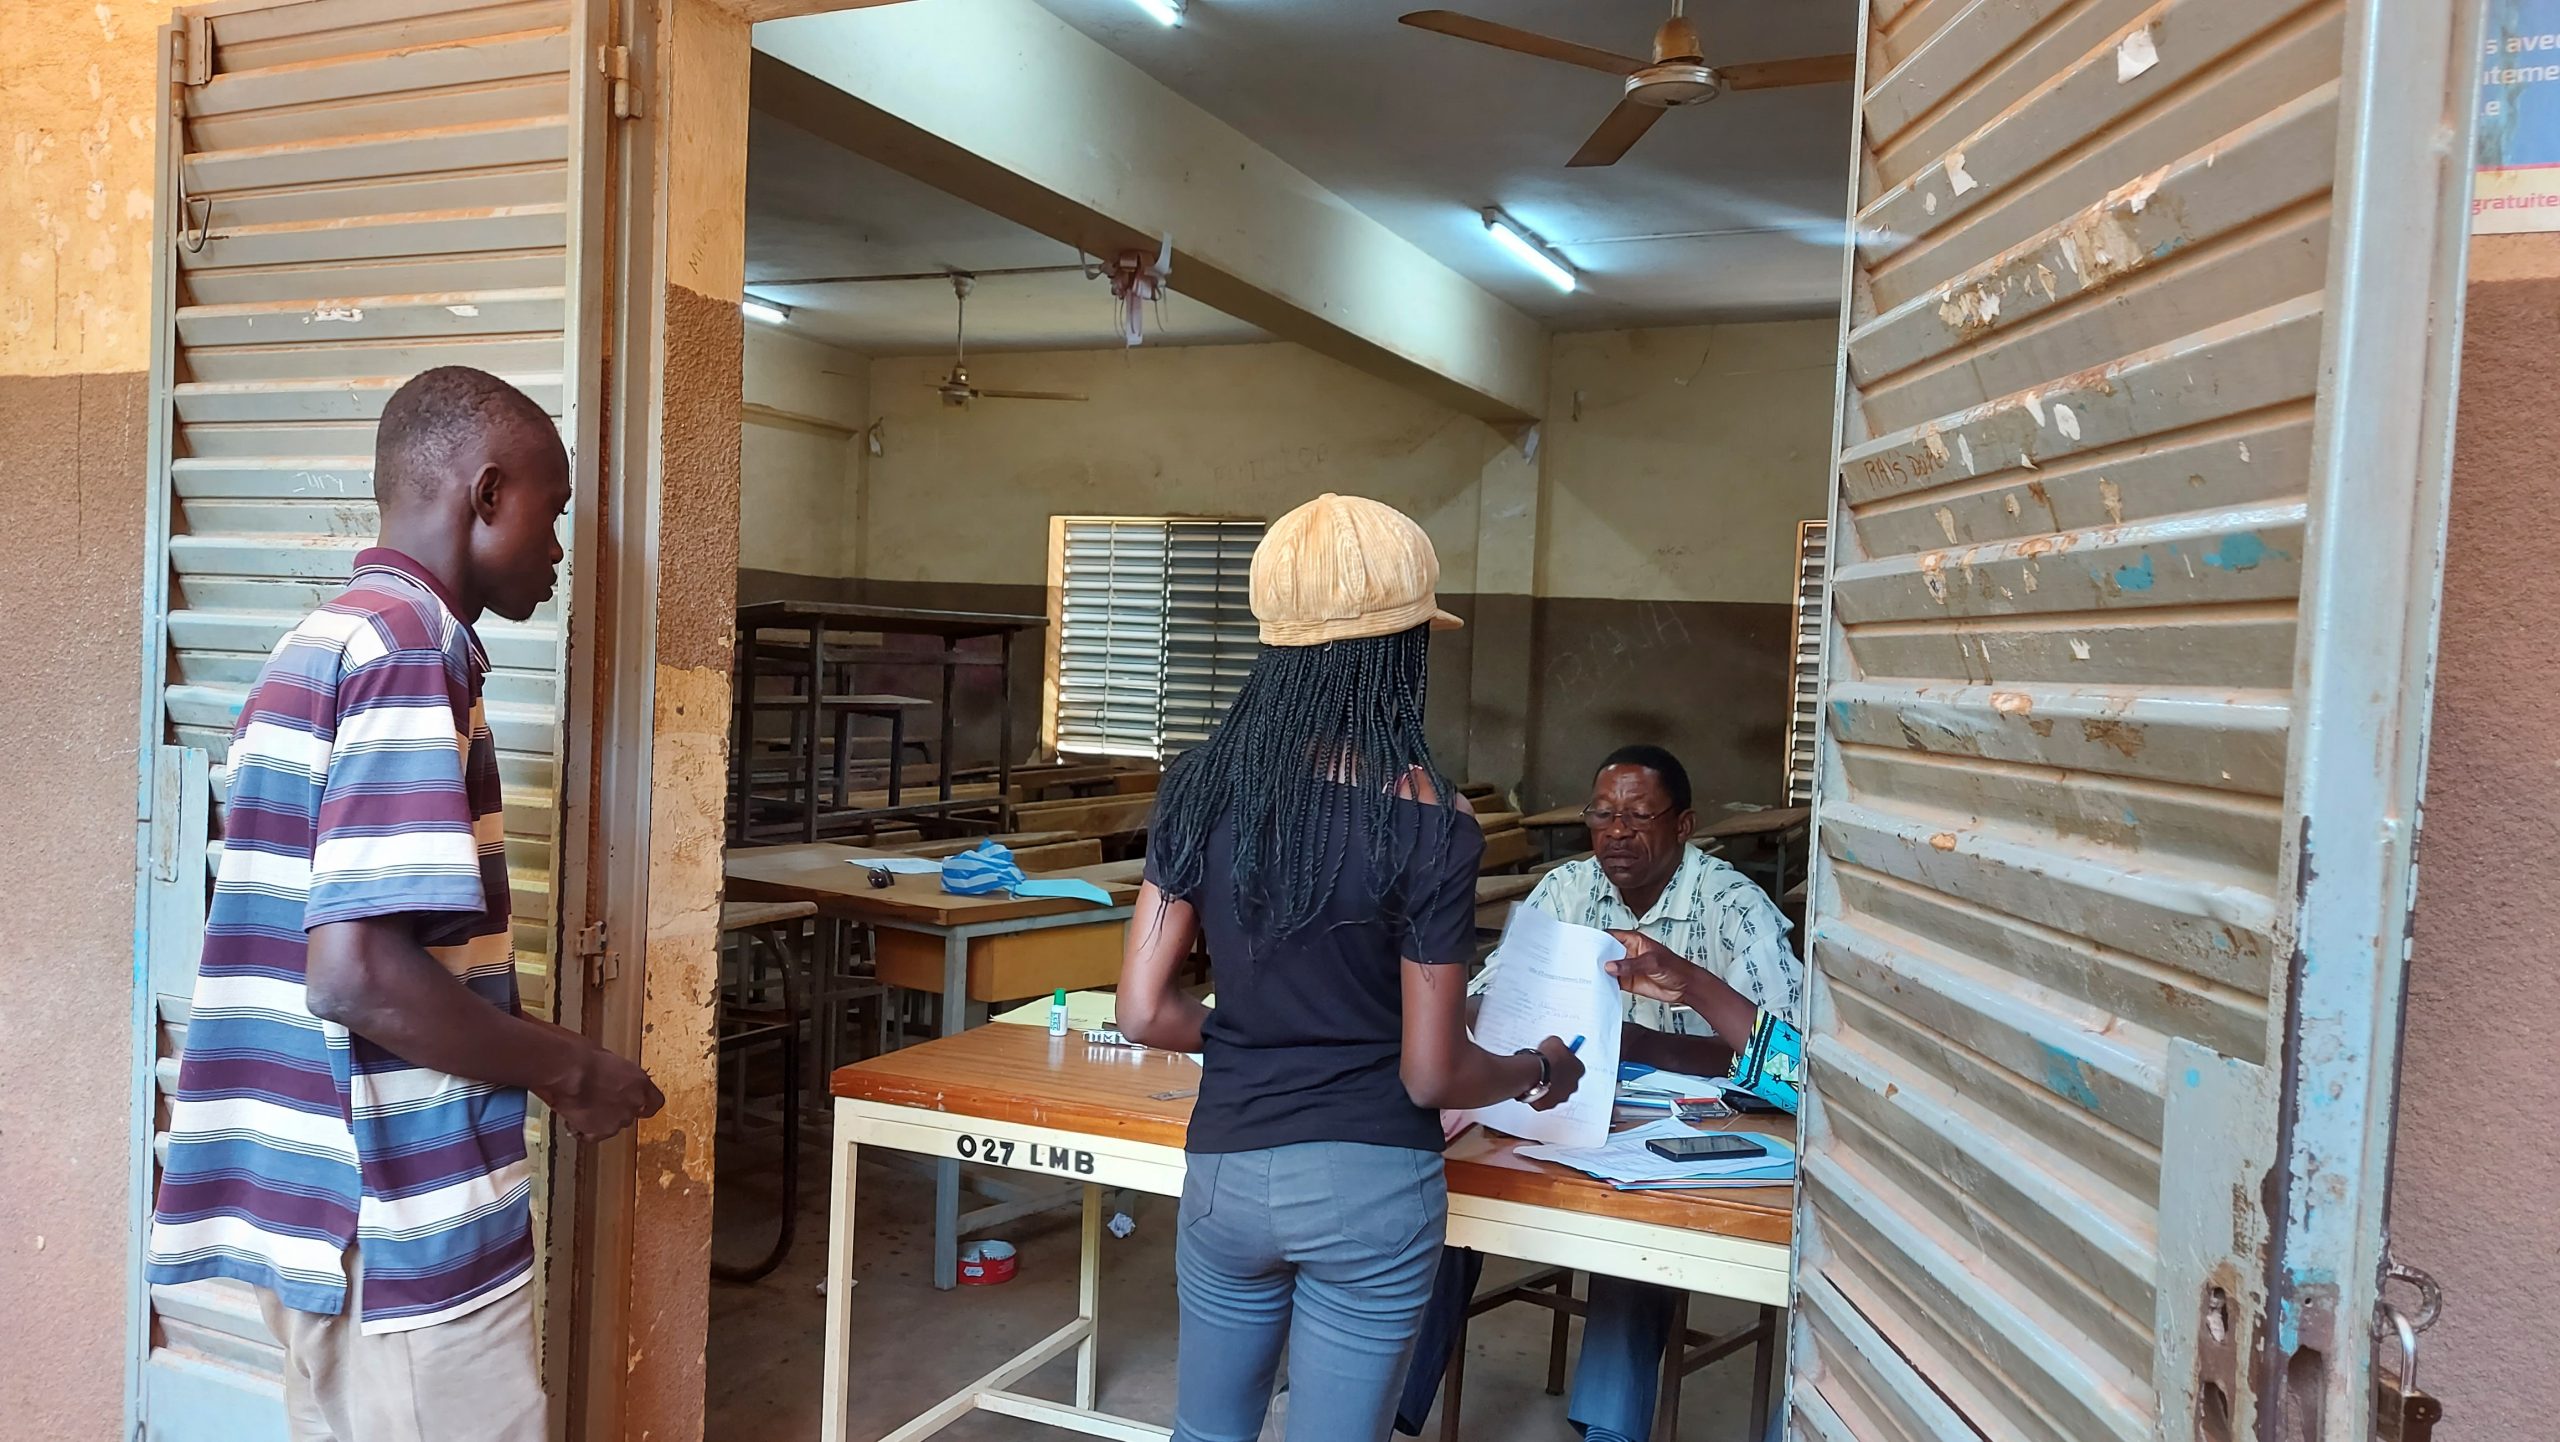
(348, 1134)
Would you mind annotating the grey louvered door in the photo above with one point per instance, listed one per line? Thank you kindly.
(2134, 549)
(351, 191)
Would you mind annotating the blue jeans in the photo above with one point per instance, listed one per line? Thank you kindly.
(1329, 1247)
(1625, 1327)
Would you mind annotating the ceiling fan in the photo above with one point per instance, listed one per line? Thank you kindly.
(955, 388)
(1677, 75)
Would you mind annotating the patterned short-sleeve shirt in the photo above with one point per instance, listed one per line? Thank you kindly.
(1708, 912)
(363, 783)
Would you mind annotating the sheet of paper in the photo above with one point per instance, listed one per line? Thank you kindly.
(1552, 982)
(898, 865)
(1623, 1159)
(1641, 1080)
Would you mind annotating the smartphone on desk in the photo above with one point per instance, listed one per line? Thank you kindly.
(1723, 1146)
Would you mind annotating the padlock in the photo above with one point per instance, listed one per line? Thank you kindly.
(2402, 1413)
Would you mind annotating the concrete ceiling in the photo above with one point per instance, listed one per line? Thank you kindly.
(1727, 211)
(815, 210)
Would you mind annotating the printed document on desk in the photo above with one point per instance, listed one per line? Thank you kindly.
(1552, 982)
(1625, 1162)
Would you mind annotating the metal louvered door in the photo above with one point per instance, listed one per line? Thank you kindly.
(2146, 406)
(1211, 638)
(351, 191)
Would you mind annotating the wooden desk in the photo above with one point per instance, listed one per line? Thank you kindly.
(1015, 1097)
(980, 959)
(1775, 821)
(830, 876)
(1776, 827)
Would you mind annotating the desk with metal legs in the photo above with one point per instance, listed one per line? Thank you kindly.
(832, 877)
(1110, 1117)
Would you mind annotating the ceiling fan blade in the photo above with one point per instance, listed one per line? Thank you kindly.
(988, 395)
(1773, 74)
(1526, 42)
(1625, 126)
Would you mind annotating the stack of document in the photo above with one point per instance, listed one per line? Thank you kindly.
(1624, 1162)
(1655, 1089)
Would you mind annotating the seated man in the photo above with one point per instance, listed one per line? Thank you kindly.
(1643, 877)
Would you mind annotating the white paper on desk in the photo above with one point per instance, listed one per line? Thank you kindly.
(1553, 982)
(1657, 1082)
(898, 865)
(1624, 1158)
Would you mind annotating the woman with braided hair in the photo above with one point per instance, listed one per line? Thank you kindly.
(1331, 867)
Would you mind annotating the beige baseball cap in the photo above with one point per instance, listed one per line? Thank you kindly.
(1341, 567)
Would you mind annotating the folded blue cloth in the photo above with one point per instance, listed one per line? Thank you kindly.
(989, 867)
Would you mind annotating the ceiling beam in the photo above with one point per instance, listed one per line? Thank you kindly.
(1009, 108)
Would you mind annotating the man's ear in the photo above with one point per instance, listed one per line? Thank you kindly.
(1688, 825)
(484, 493)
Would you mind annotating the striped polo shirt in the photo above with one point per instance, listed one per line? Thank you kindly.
(363, 783)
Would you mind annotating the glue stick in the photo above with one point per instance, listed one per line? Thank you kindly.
(1058, 1012)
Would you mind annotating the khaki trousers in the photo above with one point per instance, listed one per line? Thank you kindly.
(473, 1379)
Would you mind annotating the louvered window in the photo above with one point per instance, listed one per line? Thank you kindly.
(1154, 631)
(1804, 664)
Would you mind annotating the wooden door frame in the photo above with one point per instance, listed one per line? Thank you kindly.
(649, 752)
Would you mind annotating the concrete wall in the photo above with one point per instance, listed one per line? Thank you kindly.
(75, 228)
(2476, 1179)
(1675, 465)
(802, 483)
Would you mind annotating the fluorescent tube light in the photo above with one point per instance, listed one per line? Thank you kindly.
(1525, 247)
(1166, 12)
(764, 310)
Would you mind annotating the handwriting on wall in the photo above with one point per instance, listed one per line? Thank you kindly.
(1605, 653)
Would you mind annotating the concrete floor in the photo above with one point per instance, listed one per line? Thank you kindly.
(917, 1346)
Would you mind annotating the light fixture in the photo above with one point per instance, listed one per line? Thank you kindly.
(1527, 248)
(1166, 12)
(764, 310)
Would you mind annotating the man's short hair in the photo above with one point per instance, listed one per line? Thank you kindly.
(1675, 777)
(433, 416)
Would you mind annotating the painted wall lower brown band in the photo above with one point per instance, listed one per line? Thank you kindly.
(70, 643)
(1706, 679)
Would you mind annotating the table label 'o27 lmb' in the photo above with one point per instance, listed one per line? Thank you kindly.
(1039, 1156)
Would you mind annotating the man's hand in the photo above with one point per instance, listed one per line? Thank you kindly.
(1654, 970)
(1650, 969)
(602, 1092)
(1564, 1073)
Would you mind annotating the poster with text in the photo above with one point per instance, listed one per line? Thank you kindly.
(2517, 187)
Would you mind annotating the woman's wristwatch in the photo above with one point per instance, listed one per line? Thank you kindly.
(1546, 1077)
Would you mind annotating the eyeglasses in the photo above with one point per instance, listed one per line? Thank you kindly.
(1603, 820)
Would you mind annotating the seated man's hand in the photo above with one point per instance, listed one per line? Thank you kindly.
(1651, 969)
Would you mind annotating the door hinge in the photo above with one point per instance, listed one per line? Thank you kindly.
(195, 50)
(598, 956)
(614, 61)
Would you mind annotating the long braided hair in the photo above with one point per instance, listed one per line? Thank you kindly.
(1318, 738)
